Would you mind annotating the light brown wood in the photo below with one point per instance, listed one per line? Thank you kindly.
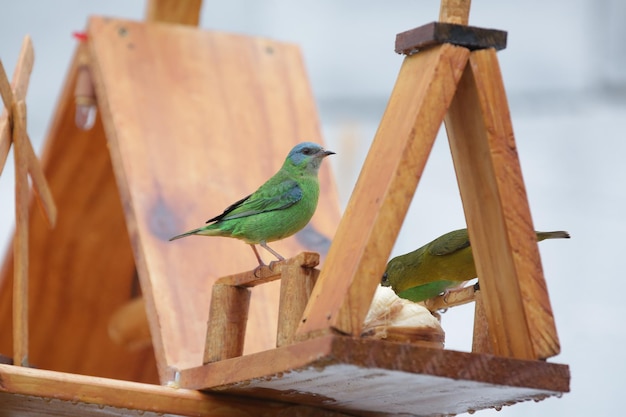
(177, 156)
(20, 244)
(481, 342)
(33, 392)
(384, 190)
(228, 317)
(75, 286)
(128, 326)
(455, 11)
(498, 217)
(370, 377)
(17, 91)
(296, 284)
(270, 273)
(186, 12)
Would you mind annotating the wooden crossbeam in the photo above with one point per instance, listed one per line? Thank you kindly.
(13, 129)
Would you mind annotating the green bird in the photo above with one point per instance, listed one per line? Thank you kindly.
(444, 263)
(277, 209)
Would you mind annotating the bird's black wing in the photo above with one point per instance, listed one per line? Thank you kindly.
(276, 197)
(449, 243)
(228, 209)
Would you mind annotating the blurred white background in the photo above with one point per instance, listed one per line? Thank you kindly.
(564, 73)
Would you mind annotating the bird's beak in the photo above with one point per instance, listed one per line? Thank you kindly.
(324, 153)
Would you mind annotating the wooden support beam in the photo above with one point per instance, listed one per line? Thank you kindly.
(451, 298)
(226, 328)
(385, 188)
(185, 12)
(496, 208)
(296, 285)
(20, 244)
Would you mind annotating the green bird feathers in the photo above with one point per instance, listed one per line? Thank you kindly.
(438, 266)
(277, 209)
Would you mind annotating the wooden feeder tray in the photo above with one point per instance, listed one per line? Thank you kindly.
(176, 108)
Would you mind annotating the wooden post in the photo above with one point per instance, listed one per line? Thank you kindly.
(185, 12)
(384, 190)
(497, 213)
(454, 11)
(481, 342)
(296, 285)
(226, 328)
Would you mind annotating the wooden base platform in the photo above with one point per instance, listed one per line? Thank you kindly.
(370, 377)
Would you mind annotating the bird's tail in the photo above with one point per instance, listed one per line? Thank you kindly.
(560, 234)
(205, 231)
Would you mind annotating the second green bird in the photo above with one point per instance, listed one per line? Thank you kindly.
(438, 266)
(277, 209)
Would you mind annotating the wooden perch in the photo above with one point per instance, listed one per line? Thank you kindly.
(230, 300)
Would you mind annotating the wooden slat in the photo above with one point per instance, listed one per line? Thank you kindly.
(32, 392)
(384, 190)
(74, 285)
(370, 377)
(227, 110)
(185, 12)
(451, 298)
(497, 213)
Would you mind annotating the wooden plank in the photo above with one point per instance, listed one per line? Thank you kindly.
(20, 244)
(436, 33)
(384, 190)
(455, 11)
(177, 155)
(33, 392)
(370, 377)
(451, 298)
(74, 285)
(185, 12)
(497, 213)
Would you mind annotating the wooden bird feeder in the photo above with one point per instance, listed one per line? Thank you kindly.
(177, 107)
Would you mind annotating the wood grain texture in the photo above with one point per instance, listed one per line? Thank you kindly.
(28, 392)
(75, 284)
(481, 342)
(296, 285)
(454, 11)
(373, 377)
(185, 12)
(497, 213)
(228, 317)
(384, 190)
(20, 243)
(195, 121)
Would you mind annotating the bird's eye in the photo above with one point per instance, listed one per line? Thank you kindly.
(307, 151)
